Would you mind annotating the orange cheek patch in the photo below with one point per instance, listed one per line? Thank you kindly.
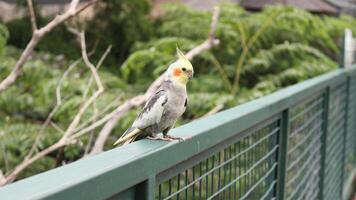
(177, 72)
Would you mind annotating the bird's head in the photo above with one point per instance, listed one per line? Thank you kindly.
(182, 70)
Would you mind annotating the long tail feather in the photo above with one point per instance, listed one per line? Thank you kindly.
(130, 140)
(129, 137)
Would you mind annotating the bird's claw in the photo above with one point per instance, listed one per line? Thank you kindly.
(159, 138)
(180, 138)
(168, 138)
(173, 138)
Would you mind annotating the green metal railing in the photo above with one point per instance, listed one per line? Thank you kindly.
(297, 143)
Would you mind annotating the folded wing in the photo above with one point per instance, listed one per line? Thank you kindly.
(152, 111)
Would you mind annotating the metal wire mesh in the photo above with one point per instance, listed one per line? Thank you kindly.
(335, 143)
(304, 149)
(246, 169)
(350, 148)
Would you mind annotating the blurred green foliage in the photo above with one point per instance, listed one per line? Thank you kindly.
(20, 35)
(282, 45)
(4, 34)
(126, 24)
(121, 24)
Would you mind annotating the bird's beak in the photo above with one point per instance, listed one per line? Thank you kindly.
(190, 75)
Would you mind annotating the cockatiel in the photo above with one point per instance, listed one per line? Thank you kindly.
(164, 107)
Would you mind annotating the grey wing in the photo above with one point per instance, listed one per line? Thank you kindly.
(153, 110)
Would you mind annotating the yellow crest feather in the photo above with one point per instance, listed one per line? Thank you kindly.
(184, 60)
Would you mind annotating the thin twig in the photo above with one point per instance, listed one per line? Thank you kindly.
(215, 110)
(91, 135)
(92, 68)
(32, 15)
(41, 132)
(86, 104)
(107, 51)
(211, 41)
(37, 36)
(55, 126)
(111, 105)
(116, 114)
(54, 110)
(65, 74)
(96, 112)
(103, 57)
(27, 162)
(2, 178)
(66, 138)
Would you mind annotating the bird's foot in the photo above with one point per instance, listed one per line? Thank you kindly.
(159, 138)
(178, 138)
(168, 138)
(173, 138)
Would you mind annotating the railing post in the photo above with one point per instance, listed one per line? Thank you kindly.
(347, 49)
(345, 130)
(282, 155)
(146, 189)
(324, 140)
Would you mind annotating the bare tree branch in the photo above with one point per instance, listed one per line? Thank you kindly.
(65, 74)
(211, 41)
(107, 51)
(72, 132)
(54, 110)
(27, 162)
(116, 115)
(37, 36)
(32, 15)
(67, 137)
(2, 178)
(140, 99)
(107, 108)
(91, 136)
(216, 109)
(96, 112)
(85, 106)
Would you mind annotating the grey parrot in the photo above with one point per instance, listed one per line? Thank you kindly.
(164, 107)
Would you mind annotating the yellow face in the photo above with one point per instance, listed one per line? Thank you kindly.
(182, 74)
(182, 70)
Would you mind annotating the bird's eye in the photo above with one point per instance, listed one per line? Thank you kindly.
(184, 69)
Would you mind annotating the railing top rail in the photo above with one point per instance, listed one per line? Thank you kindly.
(107, 174)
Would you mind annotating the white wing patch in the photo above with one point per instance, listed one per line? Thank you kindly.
(152, 111)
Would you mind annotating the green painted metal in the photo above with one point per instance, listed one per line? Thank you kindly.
(282, 155)
(236, 149)
(350, 146)
(345, 153)
(242, 167)
(323, 141)
(146, 189)
(333, 179)
(304, 148)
